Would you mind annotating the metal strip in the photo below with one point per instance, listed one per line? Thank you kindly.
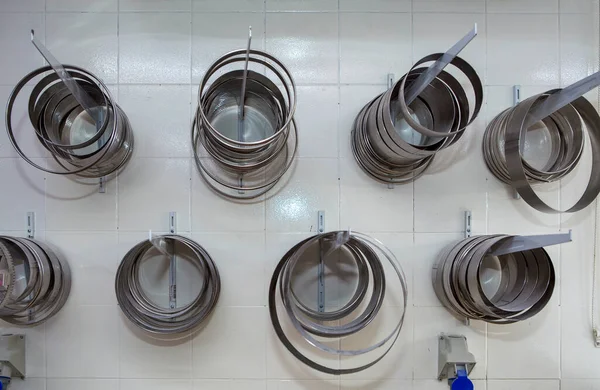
(172, 263)
(524, 243)
(321, 268)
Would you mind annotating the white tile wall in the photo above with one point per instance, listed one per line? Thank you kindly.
(154, 53)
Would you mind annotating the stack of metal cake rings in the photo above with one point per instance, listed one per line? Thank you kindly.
(473, 284)
(244, 135)
(505, 141)
(34, 282)
(395, 140)
(89, 147)
(149, 315)
(316, 326)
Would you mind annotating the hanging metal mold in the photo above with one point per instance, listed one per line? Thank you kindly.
(397, 135)
(244, 135)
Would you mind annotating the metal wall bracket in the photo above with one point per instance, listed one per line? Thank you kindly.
(12, 357)
(172, 263)
(523, 243)
(30, 224)
(391, 79)
(516, 100)
(468, 222)
(596, 338)
(102, 185)
(453, 355)
(321, 267)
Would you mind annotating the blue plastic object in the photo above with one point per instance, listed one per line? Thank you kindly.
(462, 381)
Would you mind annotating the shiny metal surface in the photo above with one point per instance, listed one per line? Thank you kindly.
(394, 142)
(472, 284)
(35, 282)
(243, 152)
(505, 139)
(146, 314)
(78, 145)
(351, 317)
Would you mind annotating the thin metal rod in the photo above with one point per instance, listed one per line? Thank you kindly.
(425, 78)
(321, 268)
(244, 80)
(516, 100)
(79, 93)
(172, 263)
(523, 243)
(558, 100)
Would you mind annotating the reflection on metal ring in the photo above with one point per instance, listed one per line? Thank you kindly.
(505, 140)
(367, 253)
(77, 144)
(150, 316)
(521, 286)
(35, 282)
(245, 158)
(395, 143)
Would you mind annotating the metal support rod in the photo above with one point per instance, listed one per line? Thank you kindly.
(523, 243)
(30, 224)
(79, 93)
(558, 100)
(321, 268)
(516, 100)
(391, 79)
(172, 263)
(242, 108)
(468, 228)
(425, 78)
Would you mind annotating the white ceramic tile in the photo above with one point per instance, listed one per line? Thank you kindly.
(154, 5)
(523, 385)
(302, 384)
(88, 40)
(87, 384)
(318, 133)
(154, 48)
(210, 41)
(522, 49)
(240, 258)
(580, 384)
(81, 5)
(426, 250)
(514, 216)
(77, 204)
(93, 260)
(300, 5)
(24, 194)
(522, 6)
(141, 384)
(306, 43)
(578, 48)
(159, 118)
(15, 38)
(438, 32)
(366, 42)
(309, 186)
(230, 384)
(385, 384)
(429, 323)
(352, 99)
(526, 350)
(229, 336)
(81, 342)
(362, 197)
(28, 384)
(578, 354)
(23, 6)
(578, 6)
(208, 210)
(151, 188)
(454, 6)
(398, 363)
(375, 6)
(228, 6)
(144, 356)
(35, 348)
